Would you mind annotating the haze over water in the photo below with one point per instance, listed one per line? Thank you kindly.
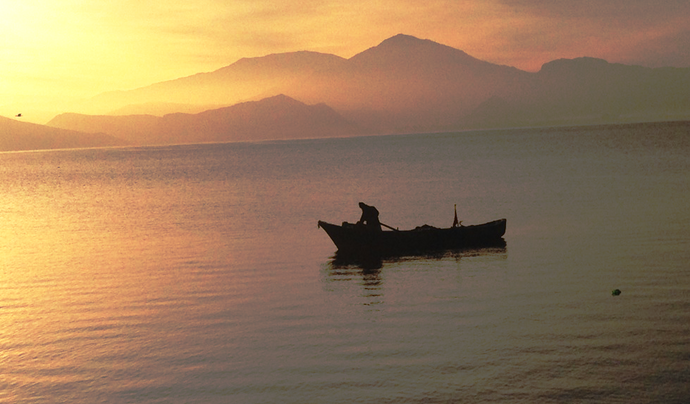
(196, 273)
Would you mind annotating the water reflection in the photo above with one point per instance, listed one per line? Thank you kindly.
(341, 274)
(364, 276)
(370, 263)
(365, 263)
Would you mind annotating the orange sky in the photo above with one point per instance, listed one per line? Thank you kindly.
(61, 49)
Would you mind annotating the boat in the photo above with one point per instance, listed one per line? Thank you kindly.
(358, 239)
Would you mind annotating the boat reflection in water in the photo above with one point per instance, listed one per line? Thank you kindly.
(362, 279)
(374, 262)
(364, 276)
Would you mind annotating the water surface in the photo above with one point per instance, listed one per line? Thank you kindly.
(196, 273)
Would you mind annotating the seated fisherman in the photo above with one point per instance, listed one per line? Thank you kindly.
(370, 217)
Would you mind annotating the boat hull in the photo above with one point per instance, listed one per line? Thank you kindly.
(352, 239)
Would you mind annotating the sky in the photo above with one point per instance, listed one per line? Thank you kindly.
(52, 50)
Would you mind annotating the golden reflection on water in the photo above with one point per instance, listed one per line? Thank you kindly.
(81, 279)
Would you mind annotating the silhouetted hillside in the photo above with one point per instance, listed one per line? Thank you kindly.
(16, 135)
(413, 84)
(589, 91)
(135, 129)
(246, 79)
(163, 108)
(278, 117)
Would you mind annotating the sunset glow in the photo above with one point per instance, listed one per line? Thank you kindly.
(55, 50)
(330, 201)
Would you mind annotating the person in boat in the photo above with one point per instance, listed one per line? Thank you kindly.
(370, 217)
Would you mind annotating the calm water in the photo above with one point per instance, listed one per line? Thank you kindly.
(197, 274)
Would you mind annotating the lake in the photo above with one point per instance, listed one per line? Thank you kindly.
(197, 273)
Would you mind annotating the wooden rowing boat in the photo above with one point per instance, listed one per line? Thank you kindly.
(356, 239)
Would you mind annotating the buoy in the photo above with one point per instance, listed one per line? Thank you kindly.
(616, 292)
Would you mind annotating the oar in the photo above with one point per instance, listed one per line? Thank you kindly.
(385, 225)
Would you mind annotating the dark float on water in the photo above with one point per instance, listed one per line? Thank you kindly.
(366, 238)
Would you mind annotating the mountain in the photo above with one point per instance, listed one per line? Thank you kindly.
(278, 117)
(246, 79)
(402, 84)
(16, 135)
(413, 84)
(406, 84)
(589, 91)
(404, 73)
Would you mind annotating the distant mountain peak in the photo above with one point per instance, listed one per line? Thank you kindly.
(407, 49)
(280, 99)
(407, 41)
(576, 63)
(289, 57)
(403, 38)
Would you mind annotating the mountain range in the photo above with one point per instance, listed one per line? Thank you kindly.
(403, 85)
(277, 117)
